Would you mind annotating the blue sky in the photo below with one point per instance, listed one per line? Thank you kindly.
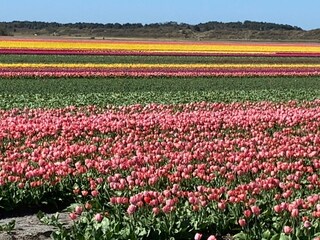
(300, 13)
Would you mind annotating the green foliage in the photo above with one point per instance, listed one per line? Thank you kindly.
(125, 85)
(8, 227)
(52, 93)
(3, 32)
(8, 101)
(152, 59)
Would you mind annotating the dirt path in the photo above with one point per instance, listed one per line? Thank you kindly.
(30, 228)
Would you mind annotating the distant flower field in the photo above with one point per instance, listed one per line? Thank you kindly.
(213, 69)
(163, 140)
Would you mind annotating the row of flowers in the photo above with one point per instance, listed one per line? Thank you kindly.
(154, 46)
(24, 51)
(170, 169)
(12, 70)
(56, 73)
(163, 66)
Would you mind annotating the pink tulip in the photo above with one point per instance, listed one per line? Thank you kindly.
(78, 209)
(212, 237)
(242, 222)
(94, 193)
(247, 213)
(72, 216)
(131, 209)
(88, 206)
(255, 210)
(98, 217)
(287, 230)
(307, 224)
(295, 212)
(198, 236)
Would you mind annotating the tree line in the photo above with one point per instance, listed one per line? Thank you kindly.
(6, 27)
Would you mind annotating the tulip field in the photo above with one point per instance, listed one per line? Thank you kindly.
(214, 68)
(162, 140)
